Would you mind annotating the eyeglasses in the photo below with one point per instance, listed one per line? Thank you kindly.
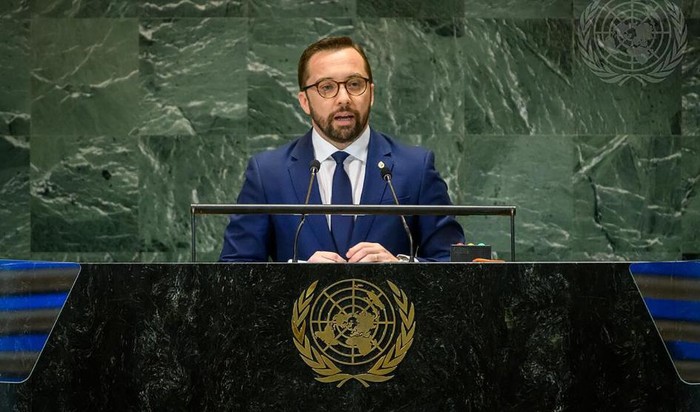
(328, 88)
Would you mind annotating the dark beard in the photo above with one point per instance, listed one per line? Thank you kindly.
(341, 135)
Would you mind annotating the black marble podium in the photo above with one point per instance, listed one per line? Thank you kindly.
(569, 336)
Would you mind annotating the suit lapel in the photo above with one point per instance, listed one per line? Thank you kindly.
(298, 166)
(374, 186)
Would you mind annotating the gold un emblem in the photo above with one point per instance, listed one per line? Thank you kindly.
(354, 331)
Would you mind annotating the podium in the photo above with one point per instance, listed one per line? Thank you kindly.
(439, 336)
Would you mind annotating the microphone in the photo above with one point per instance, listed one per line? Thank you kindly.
(386, 175)
(314, 165)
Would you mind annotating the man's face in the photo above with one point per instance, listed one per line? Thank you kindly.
(340, 119)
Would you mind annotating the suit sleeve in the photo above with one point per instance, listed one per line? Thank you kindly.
(436, 233)
(248, 238)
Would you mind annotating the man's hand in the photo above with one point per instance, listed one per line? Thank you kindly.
(369, 252)
(326, 257)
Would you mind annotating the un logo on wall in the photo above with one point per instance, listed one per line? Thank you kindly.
(641, 40)
(356, 330)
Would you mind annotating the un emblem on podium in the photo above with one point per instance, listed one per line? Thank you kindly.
(353, 330)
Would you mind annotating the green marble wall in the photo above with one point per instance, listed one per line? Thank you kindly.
(115, 115)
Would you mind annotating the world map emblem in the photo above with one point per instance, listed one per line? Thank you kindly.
(353, 329)
(633, 39)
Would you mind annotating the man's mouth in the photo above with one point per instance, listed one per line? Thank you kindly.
(344, 118)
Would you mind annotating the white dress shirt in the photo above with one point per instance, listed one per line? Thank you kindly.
(355, 166)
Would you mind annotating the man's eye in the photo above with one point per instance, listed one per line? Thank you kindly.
(326, 87)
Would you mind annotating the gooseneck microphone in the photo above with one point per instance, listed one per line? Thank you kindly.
(386, 175)
(314, 165)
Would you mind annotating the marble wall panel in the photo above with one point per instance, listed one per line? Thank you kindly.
(84, 76)
(519, 76)
(193, 8)
(14, 77)
(85, 8)
(180, 170)
(14, 197)
(627, 198)
(410, 8)
(690, 195)
(418, 83)
(522, 9)
(498, 90)
(604, 108)
(14, 9)
(688, 7)
(530, 172)
(193, 72)
(306, 8)
(84, 257)
(275, 47)
(84, 194)
(691, 81)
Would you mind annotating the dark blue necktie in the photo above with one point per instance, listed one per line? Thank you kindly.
(341, 226)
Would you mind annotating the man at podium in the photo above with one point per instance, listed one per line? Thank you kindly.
(337, 93)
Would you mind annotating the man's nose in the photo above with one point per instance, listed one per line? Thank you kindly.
(343, 96)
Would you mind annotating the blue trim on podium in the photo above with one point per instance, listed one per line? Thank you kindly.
(23, 343)
(685, 269)
(682, 350)
(34, 301)
(11, 264)
(687, 310)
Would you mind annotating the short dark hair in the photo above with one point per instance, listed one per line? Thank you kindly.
(325, 44)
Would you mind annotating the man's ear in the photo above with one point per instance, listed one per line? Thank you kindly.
(304, 102)
(371, 95)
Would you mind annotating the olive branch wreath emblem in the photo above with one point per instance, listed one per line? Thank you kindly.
(658, 73)
(324, 366)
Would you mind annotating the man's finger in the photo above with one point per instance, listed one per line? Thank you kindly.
(359, 255)
(325, 257)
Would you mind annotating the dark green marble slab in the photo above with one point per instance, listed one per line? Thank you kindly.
(691, 81)
(532, 173)
(193, 8)
(85, 8)
(305, 8)
(84, 76)
(14, 197)
(465, 78)
(690, 194)
(275, 47)
(418, 83)
(604, 108)
(410, 8)
(523, 9)
(193, 73)
(14, 9)
(84, 194)
(14, 77)
(518, 76)
(83, 257)
(688, 7)
(627, 198)
(180, 170)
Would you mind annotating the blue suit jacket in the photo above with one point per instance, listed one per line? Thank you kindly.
(282, 176)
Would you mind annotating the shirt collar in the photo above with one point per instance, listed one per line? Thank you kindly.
(357, 149)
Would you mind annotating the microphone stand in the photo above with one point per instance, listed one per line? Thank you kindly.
(386, 175)
(313, 169)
